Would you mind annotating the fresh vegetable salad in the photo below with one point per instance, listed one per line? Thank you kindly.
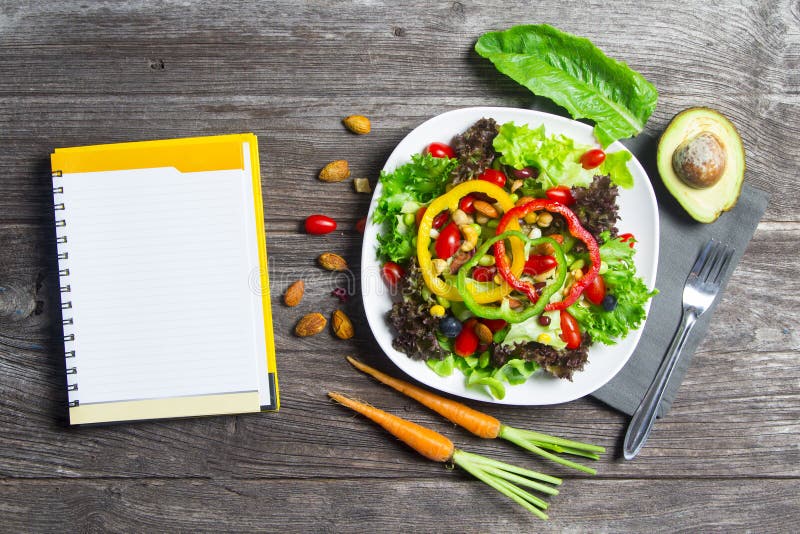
(503, 249)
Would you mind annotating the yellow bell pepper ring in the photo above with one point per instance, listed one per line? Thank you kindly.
(449, 201)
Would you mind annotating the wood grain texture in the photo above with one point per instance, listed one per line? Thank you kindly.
(376, 505)
(725, 459)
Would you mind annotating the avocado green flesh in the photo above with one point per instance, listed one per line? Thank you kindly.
(704, 205)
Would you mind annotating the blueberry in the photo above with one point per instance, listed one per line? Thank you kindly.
(450, 326)
(609, 302)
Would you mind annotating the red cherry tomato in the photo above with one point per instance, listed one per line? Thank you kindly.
(495, 325)
(595, 291)
(467, 341)
(361, 225)
(483, 274)
(467, 204)
(320, 224)
(440, 150)
(561, 194)
(627, 237)
(570, 331)
(538, 264)
(392, 273)
(493, 176)
(448, 241)
(420, 214)
(592, 158)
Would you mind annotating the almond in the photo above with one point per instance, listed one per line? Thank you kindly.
(294, 293)
(342, 326)
(335, 171)
(310, 325)
(358, 124)
(332, 262)
(483, 332)
(486, 209)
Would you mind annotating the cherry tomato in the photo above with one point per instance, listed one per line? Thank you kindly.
(466, 341)
(320, 224)
(493, 176)
(495, 325)
(420, 214)
(440, 150)
(392, 273)
(570, 331)
(561, 194)
(592, 158)
(628, 237)
(448, 241)
(596, 290)
(467, 204)
(483, 274)
(538, 264)
(361, 225)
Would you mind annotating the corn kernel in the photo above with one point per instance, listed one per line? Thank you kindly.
(437, 311)
(544, 338)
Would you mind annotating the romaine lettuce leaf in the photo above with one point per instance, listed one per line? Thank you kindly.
(575, 74)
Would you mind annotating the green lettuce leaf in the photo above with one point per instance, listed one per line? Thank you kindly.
(616, 167)
(557, 156)
(530, 330)
(621, 281)
(575, 74)
(404, 191)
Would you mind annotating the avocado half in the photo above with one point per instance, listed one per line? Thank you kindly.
(701, 161)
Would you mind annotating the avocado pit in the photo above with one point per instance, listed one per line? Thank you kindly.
(700, 161)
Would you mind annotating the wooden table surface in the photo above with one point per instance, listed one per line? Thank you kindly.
(81, 72)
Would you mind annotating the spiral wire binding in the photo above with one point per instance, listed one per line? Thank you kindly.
(63, 272)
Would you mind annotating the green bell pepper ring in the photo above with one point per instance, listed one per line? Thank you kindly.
(504, 311)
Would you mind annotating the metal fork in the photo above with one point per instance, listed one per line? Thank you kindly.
(701, 288)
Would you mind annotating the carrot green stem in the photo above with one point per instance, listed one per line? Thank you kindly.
(535, 475)
(518, 495)
(537, 442)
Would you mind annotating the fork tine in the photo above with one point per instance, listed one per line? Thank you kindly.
(701, 258)
(724, 265)
(711, 261)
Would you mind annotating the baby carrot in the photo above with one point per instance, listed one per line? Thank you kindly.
(480, 424)
(486, 426)
(505, 478)
(425, 441)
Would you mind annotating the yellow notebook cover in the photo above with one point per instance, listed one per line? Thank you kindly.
(164, 283)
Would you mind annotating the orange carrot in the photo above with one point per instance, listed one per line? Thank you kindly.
(486, 426)
(505, 478)
(480, 424)
(425, 441)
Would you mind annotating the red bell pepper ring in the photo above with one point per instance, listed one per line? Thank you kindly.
(574, 227)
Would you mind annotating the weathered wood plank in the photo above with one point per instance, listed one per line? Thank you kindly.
(733, 402)
(299, 138)
(449, 502)
(75, 73)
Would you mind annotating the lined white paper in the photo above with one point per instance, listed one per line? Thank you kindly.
(162, 267)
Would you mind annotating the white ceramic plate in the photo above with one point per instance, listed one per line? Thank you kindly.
(638, 215)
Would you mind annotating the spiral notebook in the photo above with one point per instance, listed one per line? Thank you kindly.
(164, 288)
